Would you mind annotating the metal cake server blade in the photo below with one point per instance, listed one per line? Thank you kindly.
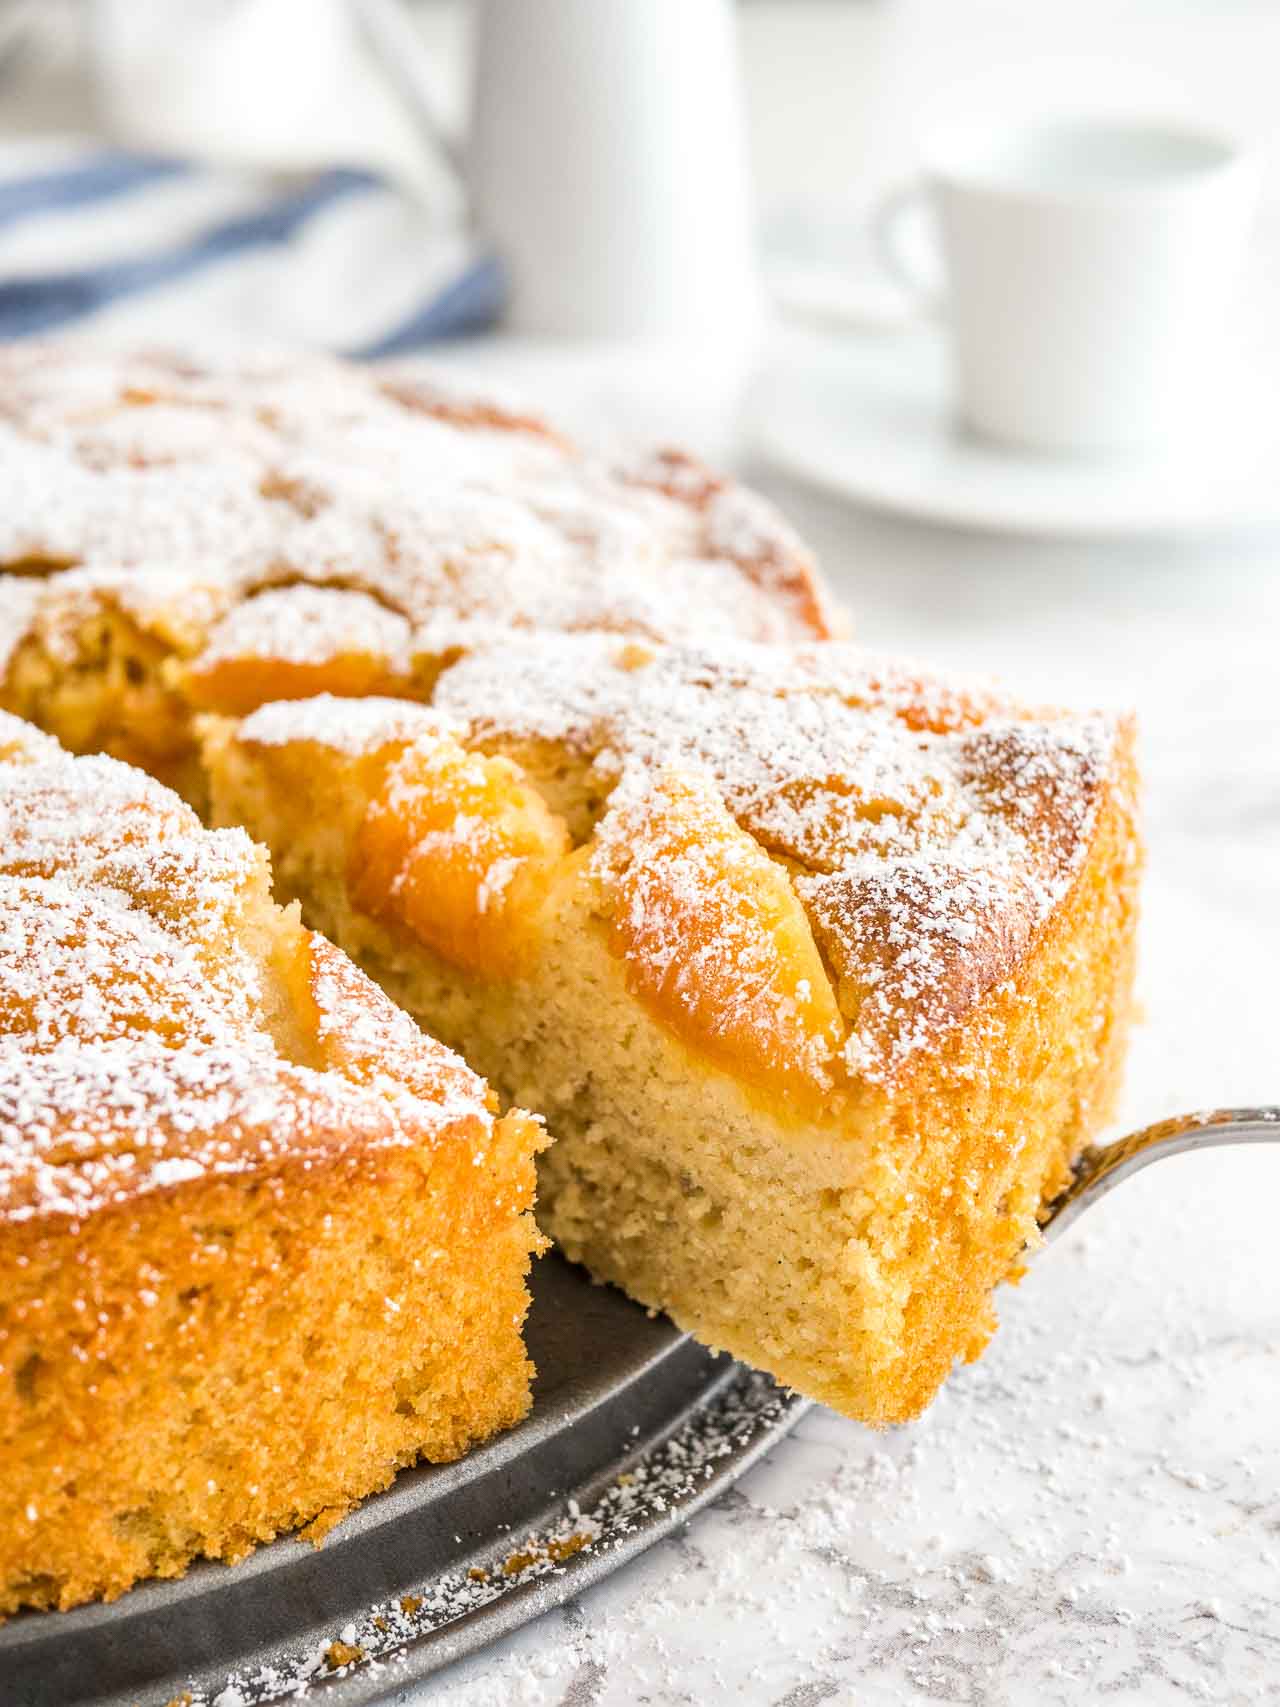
(1102, 1166)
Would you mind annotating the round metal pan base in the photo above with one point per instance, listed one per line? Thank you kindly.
(633, 1428)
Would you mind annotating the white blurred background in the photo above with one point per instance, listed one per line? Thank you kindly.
(837, 90)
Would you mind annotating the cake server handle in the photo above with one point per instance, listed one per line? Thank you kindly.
(1102, 1166)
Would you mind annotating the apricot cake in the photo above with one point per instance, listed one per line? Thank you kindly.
(818, 966)
(177, 535)
(262, 1242)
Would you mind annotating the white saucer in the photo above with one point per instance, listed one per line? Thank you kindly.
(868, 417)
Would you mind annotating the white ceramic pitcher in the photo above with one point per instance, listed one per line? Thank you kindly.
(606, 161)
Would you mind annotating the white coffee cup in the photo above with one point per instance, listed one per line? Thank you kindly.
(1090, 267)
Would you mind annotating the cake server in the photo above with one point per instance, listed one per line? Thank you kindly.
(1102, 1166)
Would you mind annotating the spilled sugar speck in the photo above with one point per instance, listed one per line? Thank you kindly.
(658, 1485)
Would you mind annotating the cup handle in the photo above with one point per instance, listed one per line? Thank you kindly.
(889, 222)
(392, 38)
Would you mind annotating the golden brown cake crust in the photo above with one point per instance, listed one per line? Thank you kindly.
(261, 1241)
(175, 533)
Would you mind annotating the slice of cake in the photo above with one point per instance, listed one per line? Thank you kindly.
(175, 534)
(261, 1241)
(818, 966)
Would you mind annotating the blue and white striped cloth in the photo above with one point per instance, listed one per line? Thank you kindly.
(141, 248)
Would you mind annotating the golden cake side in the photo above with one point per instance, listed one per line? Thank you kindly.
(262, 1243)
(177, 535)
(819, 967)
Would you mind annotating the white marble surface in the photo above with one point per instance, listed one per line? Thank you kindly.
(1093, 1510)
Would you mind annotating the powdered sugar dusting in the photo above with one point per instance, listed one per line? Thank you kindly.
(300, 624)
(930, 825)
(299, 509)
(137, 1043)
(350, 726)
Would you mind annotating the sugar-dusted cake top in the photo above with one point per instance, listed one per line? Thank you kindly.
(304, 508)
(927, 826)
(161, 1018)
